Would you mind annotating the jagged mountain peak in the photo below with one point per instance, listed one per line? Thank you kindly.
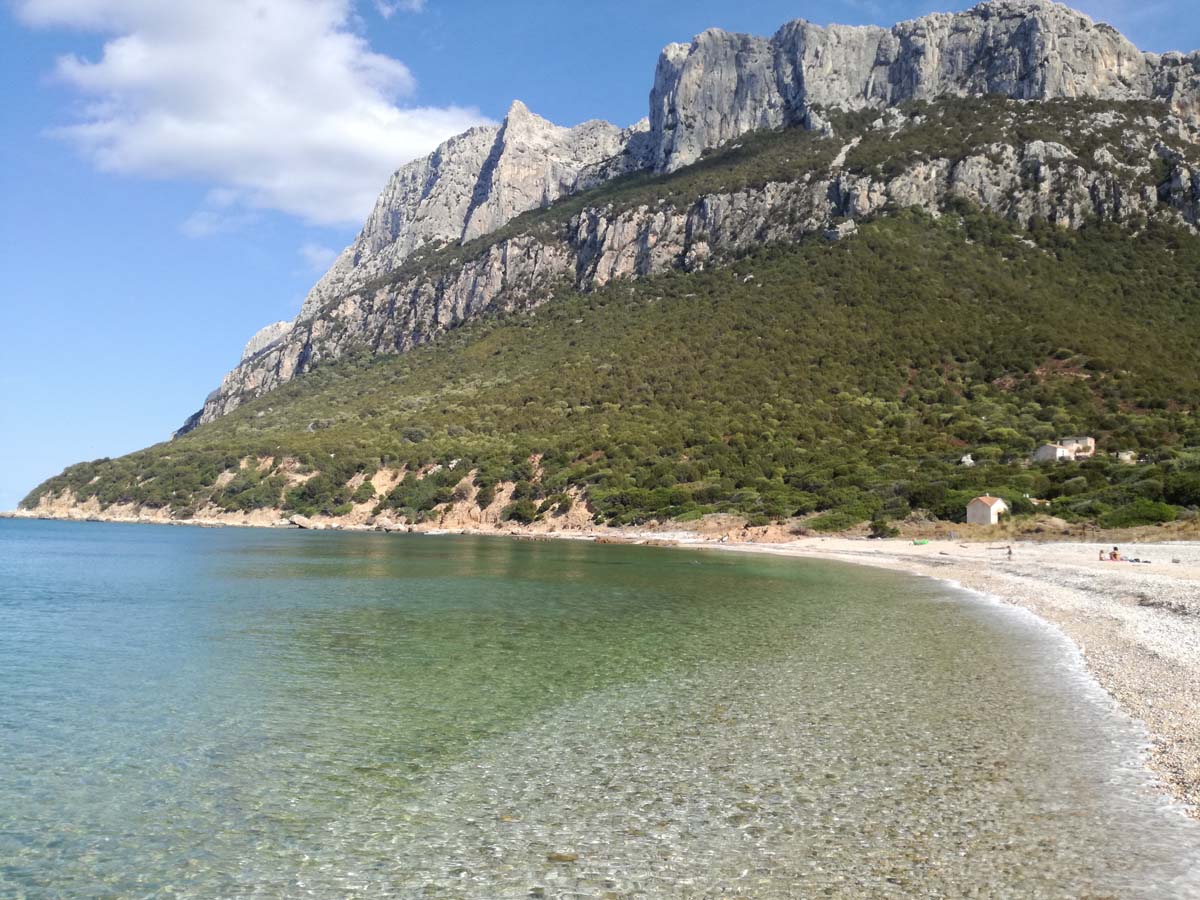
(723, 85)
(471, 185)
(521, 122)
(265, 337)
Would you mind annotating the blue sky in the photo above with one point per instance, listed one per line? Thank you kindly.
(176, 175)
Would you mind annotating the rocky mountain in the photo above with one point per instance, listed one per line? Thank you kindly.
(473, 184)
(384, 295)
(723, 85)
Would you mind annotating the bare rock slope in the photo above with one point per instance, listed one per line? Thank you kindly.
(473, 184)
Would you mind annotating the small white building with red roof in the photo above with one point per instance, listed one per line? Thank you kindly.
(985, 510)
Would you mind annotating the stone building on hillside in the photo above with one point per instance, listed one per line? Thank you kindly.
(1052, 453)
(1069, 448)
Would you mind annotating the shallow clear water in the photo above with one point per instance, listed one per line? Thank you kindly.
(227, 713)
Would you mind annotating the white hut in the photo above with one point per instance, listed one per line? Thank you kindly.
(985, 510)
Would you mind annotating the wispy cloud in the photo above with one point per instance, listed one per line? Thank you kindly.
(388, 8)
(279, 103)
(318, 257)
(221, 212)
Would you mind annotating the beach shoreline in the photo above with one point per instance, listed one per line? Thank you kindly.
(1136, 625)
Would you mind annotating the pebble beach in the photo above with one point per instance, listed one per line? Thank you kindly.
(1136, 624)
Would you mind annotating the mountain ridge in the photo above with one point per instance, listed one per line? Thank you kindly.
(1010, 158)
(722, 85)
(705, 94)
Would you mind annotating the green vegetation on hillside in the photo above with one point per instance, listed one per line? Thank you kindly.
(842, 380)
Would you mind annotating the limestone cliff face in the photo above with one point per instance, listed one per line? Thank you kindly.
(706, 94)
(723, 85)
(474, 184)
(265, 337)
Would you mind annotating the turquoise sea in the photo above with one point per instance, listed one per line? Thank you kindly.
(273, 714)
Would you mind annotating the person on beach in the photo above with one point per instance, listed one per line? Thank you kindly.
(1115, 556)
(1103, 555)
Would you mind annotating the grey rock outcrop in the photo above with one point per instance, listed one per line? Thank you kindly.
(723, 85)
(534, 162)
(424, 202)
(474, 184)
(264, 338)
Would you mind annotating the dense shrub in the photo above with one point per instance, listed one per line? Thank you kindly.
(1139, 512)
(1183, 488)
(320, 495)
(838, 520)
(881, 529)
(522, 511)
(485, 496)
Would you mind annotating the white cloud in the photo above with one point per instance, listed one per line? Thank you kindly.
(318, 257)
(279, 103)
(388, 8)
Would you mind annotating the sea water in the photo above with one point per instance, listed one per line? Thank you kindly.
(202, 713)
